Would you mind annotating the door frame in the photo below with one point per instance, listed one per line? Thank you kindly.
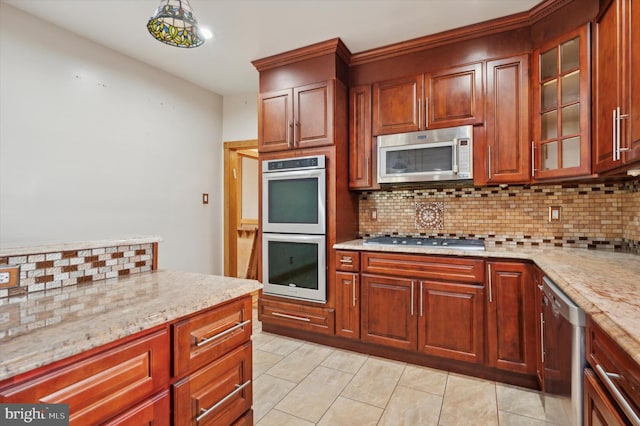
(231, 203)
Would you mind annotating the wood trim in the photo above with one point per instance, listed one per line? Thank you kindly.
(486, 28)
(493, 26)
(335, 46)
(154, 264)
(230, 243)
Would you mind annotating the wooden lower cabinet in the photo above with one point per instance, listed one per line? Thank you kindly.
(439, 312)
(217, 394)
(129, 382)
(511, 327)
(599, 410)
(612, 386)
(295, 315)
(388, 314)
(451, 320)
(154, 411)
(104, 385)
(348, 304)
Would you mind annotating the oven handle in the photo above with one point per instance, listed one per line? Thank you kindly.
(624, 404)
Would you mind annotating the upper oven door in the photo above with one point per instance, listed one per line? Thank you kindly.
(294, 201)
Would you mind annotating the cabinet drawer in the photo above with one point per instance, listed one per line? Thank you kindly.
(347, 261)
(104, 385)
(432, 267)
(312, 318)
(204, 337)
(607, 358)
(154, 411)
(217, 394)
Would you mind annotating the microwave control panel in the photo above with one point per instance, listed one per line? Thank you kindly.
(464, 157)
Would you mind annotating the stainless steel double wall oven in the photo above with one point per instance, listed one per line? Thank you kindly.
(294, 228)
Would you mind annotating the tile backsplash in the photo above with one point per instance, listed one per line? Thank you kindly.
(592, 215)
(45, 271)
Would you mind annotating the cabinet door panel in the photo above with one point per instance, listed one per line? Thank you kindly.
(632, 132)
(507, 100)
(152, 412)
(599, 410)
(451, 321)
(396, 105)
(347, 305)
(388, 311)
(218, 394)
(605, 86)
(510, 318)
(454, 96)
(313, 114)
(360, 146)
(204, 337)
(275, 120)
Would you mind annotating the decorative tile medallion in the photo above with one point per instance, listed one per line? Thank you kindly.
(430, 215)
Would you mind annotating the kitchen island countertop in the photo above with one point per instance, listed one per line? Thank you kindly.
(606, 284)
(86, 316)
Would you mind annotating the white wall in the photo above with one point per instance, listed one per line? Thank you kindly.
(240, 114)
(94, 144)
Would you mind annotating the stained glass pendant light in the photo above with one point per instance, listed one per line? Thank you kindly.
(173, 23)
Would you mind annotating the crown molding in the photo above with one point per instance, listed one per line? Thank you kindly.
(333, 46)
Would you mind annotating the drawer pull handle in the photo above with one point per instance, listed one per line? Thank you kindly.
(346, 260)
(219, 335)
(624, 404)
(278, 314)
(206, 411)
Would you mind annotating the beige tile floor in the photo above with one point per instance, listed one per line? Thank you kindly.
(301, 383)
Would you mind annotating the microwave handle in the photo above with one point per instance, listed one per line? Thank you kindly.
(455, 156)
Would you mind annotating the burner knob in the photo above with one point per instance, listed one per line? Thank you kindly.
(419, 242)
(435, 243)
(404, 241)
(445, 243)
(395, 242)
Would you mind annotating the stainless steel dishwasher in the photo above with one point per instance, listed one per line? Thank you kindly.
(563, 356)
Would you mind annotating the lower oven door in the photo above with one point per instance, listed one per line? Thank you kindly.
(294, 266)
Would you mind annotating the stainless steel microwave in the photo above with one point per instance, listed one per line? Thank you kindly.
(429, 155)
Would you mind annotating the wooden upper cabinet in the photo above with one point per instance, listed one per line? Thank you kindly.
(301, 117)
(454, 97)
(616, 101)
(275, 115)
(507, 154)
(446, 98)
(561, 107)
(396, 105)
(360, 141)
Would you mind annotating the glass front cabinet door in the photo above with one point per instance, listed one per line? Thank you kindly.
(561, 131)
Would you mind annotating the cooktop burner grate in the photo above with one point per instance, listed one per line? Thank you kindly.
(447, 243)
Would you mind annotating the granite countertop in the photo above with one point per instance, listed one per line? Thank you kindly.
(82, 317)
(605, 284)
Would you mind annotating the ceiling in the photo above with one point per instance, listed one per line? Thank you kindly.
(246, 30)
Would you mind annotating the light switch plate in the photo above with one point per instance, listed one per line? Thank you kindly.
(9, 276)
(555, 213)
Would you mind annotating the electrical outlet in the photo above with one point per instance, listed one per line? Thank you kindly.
(205, 198)
(554, 213)
(374, 214)
(9, 276)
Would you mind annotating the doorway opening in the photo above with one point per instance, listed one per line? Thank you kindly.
(241, 209)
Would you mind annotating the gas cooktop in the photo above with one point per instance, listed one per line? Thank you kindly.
(447, 243)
